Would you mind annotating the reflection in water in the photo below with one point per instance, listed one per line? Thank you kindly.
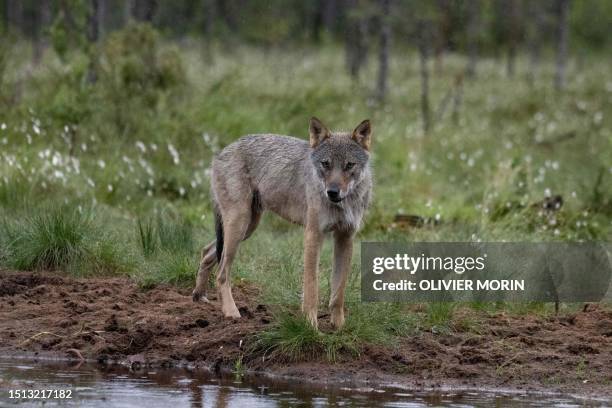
(105, 386)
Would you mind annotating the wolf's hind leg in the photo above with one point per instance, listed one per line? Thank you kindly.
(235, 225)
(207, 263)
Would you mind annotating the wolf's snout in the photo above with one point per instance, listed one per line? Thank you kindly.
(333, 193)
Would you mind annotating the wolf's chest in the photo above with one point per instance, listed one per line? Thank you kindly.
(346, 217)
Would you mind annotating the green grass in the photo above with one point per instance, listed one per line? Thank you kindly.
(140, 164)
(293, 338)
(61, 238)
(148, 238)
(175, 268)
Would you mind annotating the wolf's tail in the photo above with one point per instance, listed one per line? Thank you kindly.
(219, 232)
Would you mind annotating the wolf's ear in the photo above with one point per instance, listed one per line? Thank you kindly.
(318, 132)
(363, 134)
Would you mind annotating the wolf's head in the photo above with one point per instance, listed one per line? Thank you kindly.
(339, 158)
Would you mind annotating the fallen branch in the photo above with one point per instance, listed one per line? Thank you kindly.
(38, 335)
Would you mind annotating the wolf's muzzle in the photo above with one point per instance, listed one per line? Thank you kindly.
(334, 195)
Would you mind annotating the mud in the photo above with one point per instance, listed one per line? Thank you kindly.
(113, 320)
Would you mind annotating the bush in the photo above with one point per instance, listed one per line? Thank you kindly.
(133, 63)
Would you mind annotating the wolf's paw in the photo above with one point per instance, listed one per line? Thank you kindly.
(231, 312)
(199, 297)
(337, 319)
(312, 319)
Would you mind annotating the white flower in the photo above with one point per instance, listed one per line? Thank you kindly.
(141, 146)
(174, 153)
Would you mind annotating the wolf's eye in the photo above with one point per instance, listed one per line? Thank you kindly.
(349, 166)
(326, 164)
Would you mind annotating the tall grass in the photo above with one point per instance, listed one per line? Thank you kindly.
(175, 234)
(61, 238)
(168, 244)
(48, 240)
(148, 238)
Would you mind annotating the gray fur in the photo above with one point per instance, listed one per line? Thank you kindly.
(324, 185)
(286, 173)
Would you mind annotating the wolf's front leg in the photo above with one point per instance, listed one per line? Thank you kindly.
(313, 238)
(343, 251)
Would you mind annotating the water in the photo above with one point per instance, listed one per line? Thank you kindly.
(100, 386)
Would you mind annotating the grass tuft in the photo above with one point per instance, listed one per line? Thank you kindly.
(175, 235)
(294, 339)
(174, 268)
(61, 238)
(48, 240)
(148, 237)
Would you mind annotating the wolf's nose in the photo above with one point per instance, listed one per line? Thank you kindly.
(333, 194)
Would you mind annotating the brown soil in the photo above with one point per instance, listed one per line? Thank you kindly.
(111, 319)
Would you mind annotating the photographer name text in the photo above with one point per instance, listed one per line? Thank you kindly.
(422, 263)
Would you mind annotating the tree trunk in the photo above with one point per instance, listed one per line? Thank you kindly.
(442, 34)
(473, 30)
(14, 11)
(93, 35)
(562, 37)
(330, 15)
(5, 16)
(317, 21)
(149, 10)
(226, 13)
(128, 14)
(535, 35)
(43, 19)
(102, 7)
(207, 28)
(355, 46)
(143, 10)
(457, 98)
(383, 55)
(209, 17)
(423, 44)
(513, 36)
(351, 40)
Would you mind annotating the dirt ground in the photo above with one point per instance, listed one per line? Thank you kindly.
(112, 320)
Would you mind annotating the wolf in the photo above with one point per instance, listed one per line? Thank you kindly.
(324, 185)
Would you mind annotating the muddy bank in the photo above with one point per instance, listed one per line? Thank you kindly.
(111, 319)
